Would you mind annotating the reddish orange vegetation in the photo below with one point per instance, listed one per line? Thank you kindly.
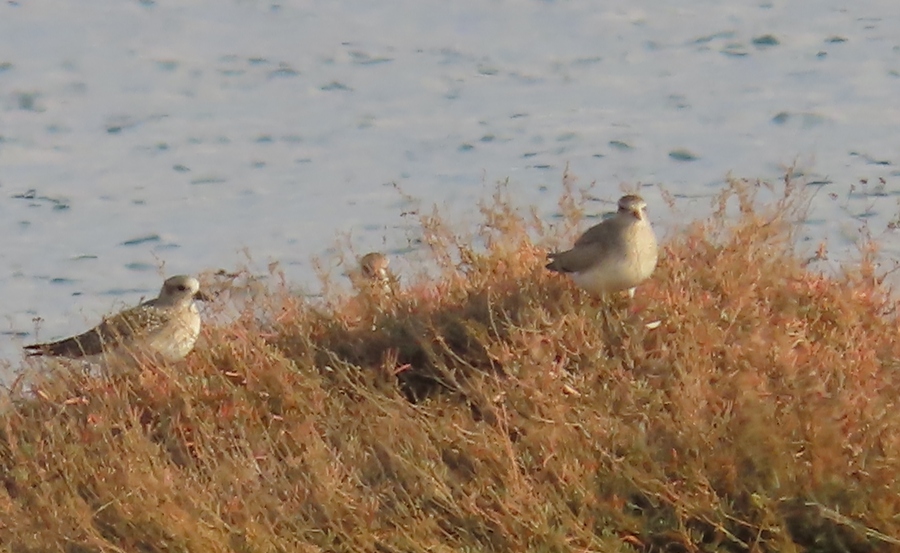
(494, 408)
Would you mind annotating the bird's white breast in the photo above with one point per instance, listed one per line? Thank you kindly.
(621, 270)
(174, 341)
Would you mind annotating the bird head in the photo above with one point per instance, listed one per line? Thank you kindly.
(634, 205)
(181, 290)
(374, 266)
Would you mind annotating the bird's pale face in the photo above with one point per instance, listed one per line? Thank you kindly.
(633, 205)
(181, 289)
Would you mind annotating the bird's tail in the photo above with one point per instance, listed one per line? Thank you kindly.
(70, 347)
(35, 350)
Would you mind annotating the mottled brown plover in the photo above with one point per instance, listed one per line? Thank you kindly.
(165, 327)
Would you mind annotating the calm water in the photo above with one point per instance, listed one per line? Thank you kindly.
(136, 135)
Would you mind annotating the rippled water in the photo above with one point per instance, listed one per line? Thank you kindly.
(135, 134)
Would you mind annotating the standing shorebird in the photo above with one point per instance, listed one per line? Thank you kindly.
(616, 254)
(166, 327)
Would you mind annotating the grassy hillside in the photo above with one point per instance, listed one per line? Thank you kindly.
(493, 408)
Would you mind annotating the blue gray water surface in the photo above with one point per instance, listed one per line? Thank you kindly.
(148, 137)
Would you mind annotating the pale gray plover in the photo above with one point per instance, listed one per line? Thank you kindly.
(616, 254)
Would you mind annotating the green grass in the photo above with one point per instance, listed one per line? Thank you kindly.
(493, 408)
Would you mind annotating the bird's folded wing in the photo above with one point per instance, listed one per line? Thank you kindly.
(580, 258)
(86, 344)
(606, 232)
(122, 329)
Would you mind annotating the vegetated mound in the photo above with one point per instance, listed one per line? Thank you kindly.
(493, 408)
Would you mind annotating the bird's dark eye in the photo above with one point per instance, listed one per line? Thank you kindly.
(182, 287)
